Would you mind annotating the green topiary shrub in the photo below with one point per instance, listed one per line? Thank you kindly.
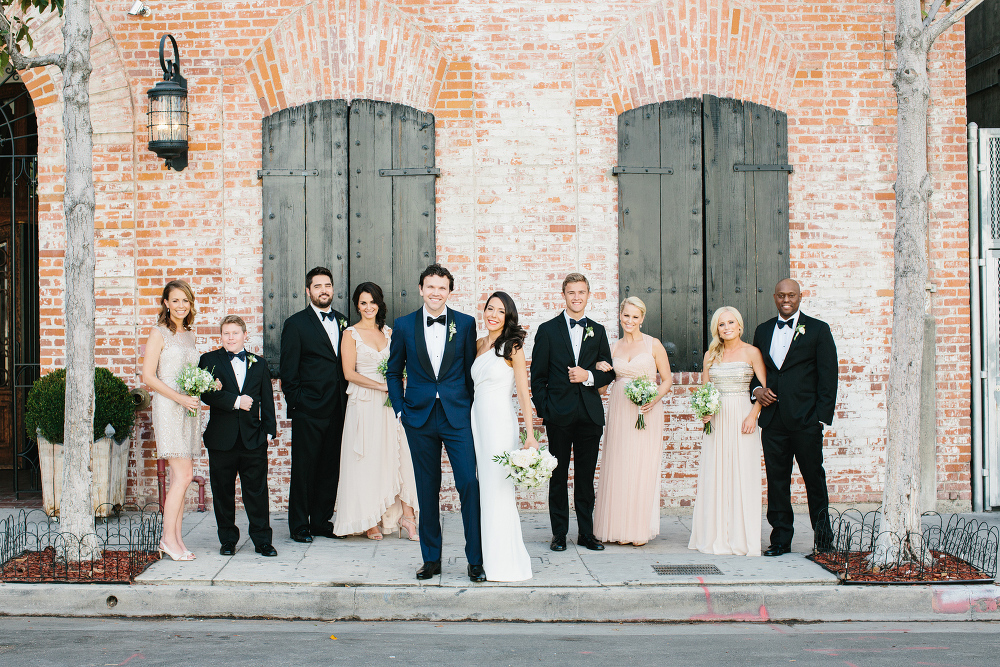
(46, 405)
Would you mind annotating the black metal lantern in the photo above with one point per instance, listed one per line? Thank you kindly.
(168, 112)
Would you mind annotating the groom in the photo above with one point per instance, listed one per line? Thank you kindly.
(801, 394)
(435, 346)
(564, 382)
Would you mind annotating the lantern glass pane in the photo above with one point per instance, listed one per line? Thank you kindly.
(168, 118)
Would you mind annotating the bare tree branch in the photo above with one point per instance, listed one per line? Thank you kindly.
(934, 31)
(932, 12)
(20, 61)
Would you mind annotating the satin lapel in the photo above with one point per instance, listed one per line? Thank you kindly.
(766, 351)
(585, 342)
(320, 329)
(564, 330)
(225, 367)
(421, 343)
(796, 338)
(449, 343)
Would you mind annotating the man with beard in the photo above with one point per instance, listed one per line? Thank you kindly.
(312, 381)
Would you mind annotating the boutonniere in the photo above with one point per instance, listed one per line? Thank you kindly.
(799, 331)
(451, 331)
(342, 322)
(588, 333)
(251, 360)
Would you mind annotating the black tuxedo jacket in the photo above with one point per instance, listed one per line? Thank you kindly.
(556, 399)
(312, 378)
(228, 425)
(806, 383)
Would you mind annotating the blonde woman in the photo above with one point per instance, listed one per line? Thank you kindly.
(628, 492)
(727, 508)
(171, 345)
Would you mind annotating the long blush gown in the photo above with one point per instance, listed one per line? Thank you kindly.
(495, 431)
(628, 491)
(727, 506)
(376, 472)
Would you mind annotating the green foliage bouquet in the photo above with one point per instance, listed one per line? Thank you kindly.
(705, 402)
(195, 381)
(640, 391)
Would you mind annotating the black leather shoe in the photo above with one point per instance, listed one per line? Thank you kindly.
(302, 536)
(266, 550)
(778, 550)
(477, 573)
(327, 532)
(429, 569)
(558, 543)
(228, 549)
(590, 542)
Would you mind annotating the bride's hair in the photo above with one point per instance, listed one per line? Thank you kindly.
(715, 348)
(511, 335)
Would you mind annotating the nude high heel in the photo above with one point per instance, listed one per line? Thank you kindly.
(162, 549)
(411, 529)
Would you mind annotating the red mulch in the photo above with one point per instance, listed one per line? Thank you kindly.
(41, 566)
(945, 569)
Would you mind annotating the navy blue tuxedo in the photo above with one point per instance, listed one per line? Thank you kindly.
(436, 409)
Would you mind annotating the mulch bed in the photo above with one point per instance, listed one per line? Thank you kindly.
(114, 567)
(946, 569)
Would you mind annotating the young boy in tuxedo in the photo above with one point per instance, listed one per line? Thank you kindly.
(240, 425)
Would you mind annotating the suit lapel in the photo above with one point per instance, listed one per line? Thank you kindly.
(768, 337)
(320, 329)
(796, 337)
(449, 344)
(564, 332)
(224, 367)
(421, 341)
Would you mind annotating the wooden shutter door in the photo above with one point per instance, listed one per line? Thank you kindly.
(304, 161)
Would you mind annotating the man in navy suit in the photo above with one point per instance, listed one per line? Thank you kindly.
(436, 346)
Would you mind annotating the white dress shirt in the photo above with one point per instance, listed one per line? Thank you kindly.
(435, 337)
(782, 340)
(240, 371)
(332, 327)
(576, 338)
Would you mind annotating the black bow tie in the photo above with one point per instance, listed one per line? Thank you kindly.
(440, 319)
(327, 316)
(582, 322)
(784, 323)
(241, 355)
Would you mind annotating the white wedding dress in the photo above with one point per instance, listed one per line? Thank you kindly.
(495, 431)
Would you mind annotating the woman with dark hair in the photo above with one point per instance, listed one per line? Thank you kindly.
(170, 347)
(500, 367)
(377, 493)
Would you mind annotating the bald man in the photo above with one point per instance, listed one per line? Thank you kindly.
(800, 397)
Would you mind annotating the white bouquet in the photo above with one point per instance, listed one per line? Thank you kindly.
(640, 391)
(529, 468)
(195, 381)
(383, 369)
(705, 402)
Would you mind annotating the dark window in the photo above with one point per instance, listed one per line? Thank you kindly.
(349, 187)
(702, 216)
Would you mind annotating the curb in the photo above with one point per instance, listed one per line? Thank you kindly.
(750, 603)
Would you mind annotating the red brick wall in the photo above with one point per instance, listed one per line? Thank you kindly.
(526, 98)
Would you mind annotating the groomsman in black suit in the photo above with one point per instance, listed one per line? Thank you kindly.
(564, 389)
(800, 397)
(240, 425)
(312, 381)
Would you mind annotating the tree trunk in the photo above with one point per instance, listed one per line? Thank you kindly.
(900, 496)
(76, 511)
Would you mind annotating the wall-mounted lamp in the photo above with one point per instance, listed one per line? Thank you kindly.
(168, 112)
(139, 9)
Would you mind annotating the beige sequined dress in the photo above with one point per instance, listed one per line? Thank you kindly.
(178, 434)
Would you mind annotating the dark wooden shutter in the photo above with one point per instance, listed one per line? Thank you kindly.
(746, 212)
(392, 217)
(660, 223)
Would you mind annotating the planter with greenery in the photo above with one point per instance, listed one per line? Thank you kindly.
(114, 416)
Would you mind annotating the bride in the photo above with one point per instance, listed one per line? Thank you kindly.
(499, 366)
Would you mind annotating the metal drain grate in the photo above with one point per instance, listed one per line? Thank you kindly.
(674, 570)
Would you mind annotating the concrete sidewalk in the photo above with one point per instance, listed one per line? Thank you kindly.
(363, 579)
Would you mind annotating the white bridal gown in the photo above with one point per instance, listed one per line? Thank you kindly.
(495, 431)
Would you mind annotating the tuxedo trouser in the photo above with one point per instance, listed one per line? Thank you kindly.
(582, 441)
(315, 473)
(251, 466)
(781, 445)
(425, 451)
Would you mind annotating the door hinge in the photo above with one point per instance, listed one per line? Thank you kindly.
(763, 167)
(642, 170)
(417, 171)
(261, 173)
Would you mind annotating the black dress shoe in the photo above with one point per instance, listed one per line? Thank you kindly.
(327, 532)
(477, 573)
(429, 569)
(590, 542)
(228, 549)
(558, 543)
(778, 550)
(266, 550)
(302, 536)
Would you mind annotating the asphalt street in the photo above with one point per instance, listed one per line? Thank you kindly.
(180, 642)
